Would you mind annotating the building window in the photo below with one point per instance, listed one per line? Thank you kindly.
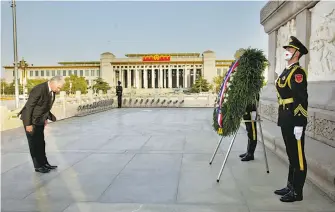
(31, 73)
(53, 73)
(87, 73)
(58, 72)
(70, 72)
(75, 72)
(92, 72)
(81, 73)
(47, 73)
(42, 73)
(64, 73)
(98, 73)
(36, 73)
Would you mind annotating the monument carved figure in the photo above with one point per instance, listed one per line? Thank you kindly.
(322, 42)
(283, 38)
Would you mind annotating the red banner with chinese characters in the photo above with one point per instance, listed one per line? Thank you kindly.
(153, 58)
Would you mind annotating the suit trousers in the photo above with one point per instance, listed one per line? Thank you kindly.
(295, 150)
(119, 101)
(251, 128)
(37, 145)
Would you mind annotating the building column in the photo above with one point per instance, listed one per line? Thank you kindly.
(128, 78)
(170, 77)
(153, 78)
(194, 75)
(177, 77)
(185, 77)
(272, 75)
(303, 23)
(145, 78)
(136, 78)
(161, 75)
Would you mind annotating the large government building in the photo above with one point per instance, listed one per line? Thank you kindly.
(136, 71)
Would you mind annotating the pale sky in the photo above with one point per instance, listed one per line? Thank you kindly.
(54, 31)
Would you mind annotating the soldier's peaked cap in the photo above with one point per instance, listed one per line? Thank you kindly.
(295, 43)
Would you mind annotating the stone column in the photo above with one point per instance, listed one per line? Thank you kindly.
(185, 77)
(161, 75)
(153, 78)
(272, 75)
(170, 77)
(194, 75)
(177, 76)
(137, 77)
(128, 78)
(145, 78)
(303, 27)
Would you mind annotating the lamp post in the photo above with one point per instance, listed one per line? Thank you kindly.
(16, 75)
(23, 65)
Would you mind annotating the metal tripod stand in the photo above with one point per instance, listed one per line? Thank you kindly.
(257, 120)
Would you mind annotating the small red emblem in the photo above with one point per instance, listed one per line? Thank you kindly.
(298, 78)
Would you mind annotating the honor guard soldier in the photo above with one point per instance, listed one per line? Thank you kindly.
(292, 94)
(119, 94)
(251, 127)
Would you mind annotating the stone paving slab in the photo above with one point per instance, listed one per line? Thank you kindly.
(129, 159)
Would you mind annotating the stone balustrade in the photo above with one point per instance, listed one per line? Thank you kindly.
(84, 104)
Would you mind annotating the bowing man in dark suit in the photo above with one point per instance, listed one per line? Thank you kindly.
(35, 115)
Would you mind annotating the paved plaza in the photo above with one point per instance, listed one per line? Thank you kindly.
(143, 160)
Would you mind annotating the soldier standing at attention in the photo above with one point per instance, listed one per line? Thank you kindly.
(292, 94)
(119, 94)
(251, 127)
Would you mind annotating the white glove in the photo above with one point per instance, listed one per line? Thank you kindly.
(253, 115)
(298, 132)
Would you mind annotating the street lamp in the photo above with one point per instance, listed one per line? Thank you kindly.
(13, 5)
(23, 65)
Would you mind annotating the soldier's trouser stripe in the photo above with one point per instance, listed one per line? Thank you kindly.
(253, 129)
(301, 162)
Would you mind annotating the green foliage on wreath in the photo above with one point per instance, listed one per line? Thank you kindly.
(244, 87)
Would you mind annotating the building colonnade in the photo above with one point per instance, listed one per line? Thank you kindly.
(157, 77)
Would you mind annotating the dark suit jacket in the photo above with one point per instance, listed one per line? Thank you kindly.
(37, 108)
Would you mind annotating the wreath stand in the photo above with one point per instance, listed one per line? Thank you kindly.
(258, 120)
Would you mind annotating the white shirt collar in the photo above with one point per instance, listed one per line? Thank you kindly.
(49, 86)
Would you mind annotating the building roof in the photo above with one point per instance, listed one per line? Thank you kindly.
(170, 54)
(208, 51)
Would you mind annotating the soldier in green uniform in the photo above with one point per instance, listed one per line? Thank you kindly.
(251, 127)
(292, 94)
(119, 94)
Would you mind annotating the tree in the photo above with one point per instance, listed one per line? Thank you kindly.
(200, 85)
(217, 81)
(100, 84)
(78, 84)
(3, 86)
(33, 82)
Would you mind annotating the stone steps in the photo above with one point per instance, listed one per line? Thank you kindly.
(320, 157)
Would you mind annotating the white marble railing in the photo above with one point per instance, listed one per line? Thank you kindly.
(79, 105)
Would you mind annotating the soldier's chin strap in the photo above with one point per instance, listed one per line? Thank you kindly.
(293, 54)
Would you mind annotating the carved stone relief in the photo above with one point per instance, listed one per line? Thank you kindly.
(325, 128)
(322, 42)
(283, 38)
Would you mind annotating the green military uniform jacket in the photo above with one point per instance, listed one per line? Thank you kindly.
(292, 94)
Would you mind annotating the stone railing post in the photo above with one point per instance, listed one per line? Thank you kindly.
(78, 96)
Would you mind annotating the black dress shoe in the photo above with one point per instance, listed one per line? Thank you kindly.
(42, 170)
(291, 197)
(282, 191)
(48, 166)
(243, 155)
(248, 157)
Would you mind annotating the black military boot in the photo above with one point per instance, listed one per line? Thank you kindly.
(248, 157)
(291, 197)
(283, 191)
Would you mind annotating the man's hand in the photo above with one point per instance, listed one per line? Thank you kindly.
(298, 132)
(29, 128)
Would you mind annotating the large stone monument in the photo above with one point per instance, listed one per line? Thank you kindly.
(313, 23)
